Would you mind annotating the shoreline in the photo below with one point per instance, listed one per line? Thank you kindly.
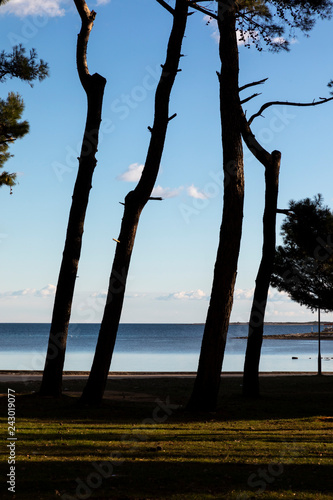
(16, 375)
(295, 336)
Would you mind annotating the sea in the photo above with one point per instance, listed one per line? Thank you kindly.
(161, 348)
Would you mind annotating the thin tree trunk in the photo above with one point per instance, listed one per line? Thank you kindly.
(257, 316)
(134, 203)
(206, 387)
(94, 88)
(271, 162)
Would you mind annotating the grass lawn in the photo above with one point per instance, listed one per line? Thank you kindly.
(141, 444)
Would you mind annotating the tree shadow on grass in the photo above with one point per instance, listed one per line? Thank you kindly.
(282, 397)
(153, 479)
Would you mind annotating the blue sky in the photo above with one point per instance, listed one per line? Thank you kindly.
(174, 254)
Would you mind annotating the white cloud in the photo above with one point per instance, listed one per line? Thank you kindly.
(246, 37)
(46, 291)
(276, 296)
(166, 192)
(241, 38)
(102, 2)
(213, 25)
(31, 292)
(241, 294)
(132, 174)
(99, 295)
(22, 8)
(132, 295)
(191, 295)
(194, 192)
(273, 295)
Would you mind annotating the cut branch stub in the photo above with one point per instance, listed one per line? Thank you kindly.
(252, 84)
(250, 97)
(284, 211)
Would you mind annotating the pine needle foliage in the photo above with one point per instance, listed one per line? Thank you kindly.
(273, 23)
(303, 265)
(16, 64)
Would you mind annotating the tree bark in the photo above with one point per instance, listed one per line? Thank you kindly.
(94, 88)
(257, 315)
(134, 203)
(206, 387)
(271, 162)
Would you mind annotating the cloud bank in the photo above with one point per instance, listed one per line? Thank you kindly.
(48, 8)
(183, 295)
(47, 291)
(22, 8)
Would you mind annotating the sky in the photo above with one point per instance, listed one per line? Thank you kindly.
(174, 254)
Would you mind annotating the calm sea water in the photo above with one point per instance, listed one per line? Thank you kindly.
(159, 347)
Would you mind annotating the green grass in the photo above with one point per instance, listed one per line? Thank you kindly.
(279, 446)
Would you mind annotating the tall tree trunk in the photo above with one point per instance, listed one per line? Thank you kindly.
(256, 323)
(271, 162)
(94, 88)
(134, 203)
(206, 387)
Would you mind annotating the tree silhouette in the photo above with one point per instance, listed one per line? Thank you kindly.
(257, 20)
(303, 265)
(94, 88)
(271, 163)
(11, 129)
(133, 206)
(15, 64)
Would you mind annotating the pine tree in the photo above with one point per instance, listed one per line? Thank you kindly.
(261, 22)
(11, 129)
(303, 265)
(16, 64)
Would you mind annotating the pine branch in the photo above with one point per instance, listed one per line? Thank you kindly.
(286, 103)
(195, 6)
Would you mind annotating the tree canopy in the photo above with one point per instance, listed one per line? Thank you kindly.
(273, 22)
(11, 128)
(303, 266)
(16, 64)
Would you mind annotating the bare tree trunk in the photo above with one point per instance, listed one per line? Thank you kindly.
(257, 316)
(94, 88)
(206, 387)
(134, 203)
(271, 162)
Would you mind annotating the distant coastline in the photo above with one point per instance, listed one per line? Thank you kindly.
(280, 323)
(295, 336)
(234, 323)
